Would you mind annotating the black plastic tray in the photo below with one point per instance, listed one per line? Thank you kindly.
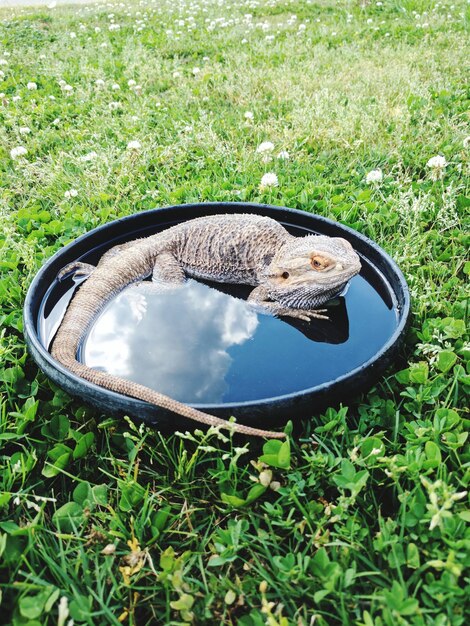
(256, 413)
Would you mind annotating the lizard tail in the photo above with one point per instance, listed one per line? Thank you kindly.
(135, 390)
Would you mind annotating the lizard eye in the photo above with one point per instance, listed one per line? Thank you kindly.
(319, 263)
(285, 275)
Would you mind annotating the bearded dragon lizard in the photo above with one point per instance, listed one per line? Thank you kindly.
(291, 276)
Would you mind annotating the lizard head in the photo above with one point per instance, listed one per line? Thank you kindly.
(313, 268)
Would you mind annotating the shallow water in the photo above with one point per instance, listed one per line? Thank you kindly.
(202, 345)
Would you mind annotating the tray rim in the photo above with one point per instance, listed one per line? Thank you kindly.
(42, 356)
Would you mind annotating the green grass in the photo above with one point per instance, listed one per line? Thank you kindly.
(361, 518)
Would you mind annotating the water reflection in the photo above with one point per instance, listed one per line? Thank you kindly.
(176, 341)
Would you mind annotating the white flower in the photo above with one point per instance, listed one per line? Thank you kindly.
(265, 147)
(52, 5)
(16, 98)
(134, 145)
(268, 180)
(24, 130)
(72, 35)
(248, 115)
(195, 71)
(17, 152)
(374, 176)
(114, 27)
(466, 142)
(31, 86)
(67, 88)
(56, 122)
(91, 156)
(437, 161)
(115, 87)
(283, 155)
(99, 82)
(113, 106)
(176, 74)
(2, 74)
(3, 62)
(131, 83)
(71, 193)
(97, 29)
(437, 165)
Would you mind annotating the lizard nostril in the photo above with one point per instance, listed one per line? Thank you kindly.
(285, 275)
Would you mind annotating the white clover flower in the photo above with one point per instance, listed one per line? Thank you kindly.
(374, 176)
(91, 156)
(103, 45)
(72, 35)
(437, 161)
(112, 27)
(56, 122)
(131, 83)
(115, 87)
(134, 145)
(268, 180)
(18, 152)
(51, 97)
(176, 74)
(2, 74)
(24, 130)
(16, 98)
(71, 193)
(437, 165)
(113, 106)
(3, 62)
(68, 89)
(97, 29)
(99, 82)
(283, 155)
(195, 71)
(248, 115)
(265, 147)
(32, 86)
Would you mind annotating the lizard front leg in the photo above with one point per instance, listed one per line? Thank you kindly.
(259, 297)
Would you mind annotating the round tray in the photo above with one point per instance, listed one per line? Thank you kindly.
(259, 412)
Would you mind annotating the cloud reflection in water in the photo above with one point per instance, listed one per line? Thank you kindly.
(176, 342)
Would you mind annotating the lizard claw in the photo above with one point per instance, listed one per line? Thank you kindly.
(307, 316)
(77, 269)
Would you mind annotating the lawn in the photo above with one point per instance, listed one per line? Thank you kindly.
(360, 518)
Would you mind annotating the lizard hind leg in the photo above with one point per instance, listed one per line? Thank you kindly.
(76, 269)
(168, 272)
